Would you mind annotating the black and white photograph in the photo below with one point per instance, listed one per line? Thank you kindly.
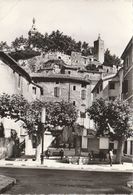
(66, 97)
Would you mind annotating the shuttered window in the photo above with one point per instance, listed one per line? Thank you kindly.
(82, 115)
(111, 85)
(56, 91)
(125, 86)
(83, 94)
(19, 81)
(34, 90)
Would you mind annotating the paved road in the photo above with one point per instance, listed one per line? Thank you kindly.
(40, 181)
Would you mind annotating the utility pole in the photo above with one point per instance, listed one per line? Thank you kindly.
(43, 120)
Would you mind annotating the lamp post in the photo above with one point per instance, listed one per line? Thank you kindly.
(43, 120)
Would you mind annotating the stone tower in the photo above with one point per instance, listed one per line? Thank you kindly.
(33, 29)
(99, 49)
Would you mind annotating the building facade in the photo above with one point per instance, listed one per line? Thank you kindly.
(60, 83)
(15, 80)
(109, 87)
(127, 93)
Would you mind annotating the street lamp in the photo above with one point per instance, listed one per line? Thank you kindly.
(43, 120)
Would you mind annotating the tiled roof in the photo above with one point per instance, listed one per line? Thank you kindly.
(127, 47)
(50, 77)
(103, 79)
(14, 65)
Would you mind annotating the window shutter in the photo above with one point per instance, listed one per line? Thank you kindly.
(125, 86)
(83, 94)
(56, 91)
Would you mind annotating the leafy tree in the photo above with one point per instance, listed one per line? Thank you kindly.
(22, 49)
(14, 106)
(56, 41)
(111, 60)
(4, 46)
(114, 114)
(20, 43)
(58, 113)
(37, 41)
(85, 49)
(78, 132)
(24, 54)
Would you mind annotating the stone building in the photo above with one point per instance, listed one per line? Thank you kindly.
(59, 82)
(127, 57)
(99, 49)
(15, 80)
(109, 87)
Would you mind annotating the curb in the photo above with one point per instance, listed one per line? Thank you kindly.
(8, 186)
(63, 166)
(130, 184)
(80, 168)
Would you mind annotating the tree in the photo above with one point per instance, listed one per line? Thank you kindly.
(111, 60)
(55, 41)
(78, 132)
(20, 43)
(22, 49)
(85, 49)
(115, 115)
(58, 114)
(24, 54)
(14, 106)
(4, 46)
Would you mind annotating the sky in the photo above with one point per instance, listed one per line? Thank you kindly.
(83, 20)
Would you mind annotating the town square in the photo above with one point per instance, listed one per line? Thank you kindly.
(66, 97)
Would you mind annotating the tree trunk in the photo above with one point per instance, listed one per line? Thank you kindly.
(38, 149)
(119, 151)
(78, 146)
(38, 152)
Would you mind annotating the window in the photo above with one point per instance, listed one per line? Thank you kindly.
(83, 85)
(69, 72)
(111, 85)
(97, 90)
(41, 91)
(74, 103)
(56, 91)
(101, 87)
(57, 82)
(34, 90)
(131, 147)
(74, 87)
(127, 61)
(83, 94)
(19, 81)
(82, 115)
(125, 86)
